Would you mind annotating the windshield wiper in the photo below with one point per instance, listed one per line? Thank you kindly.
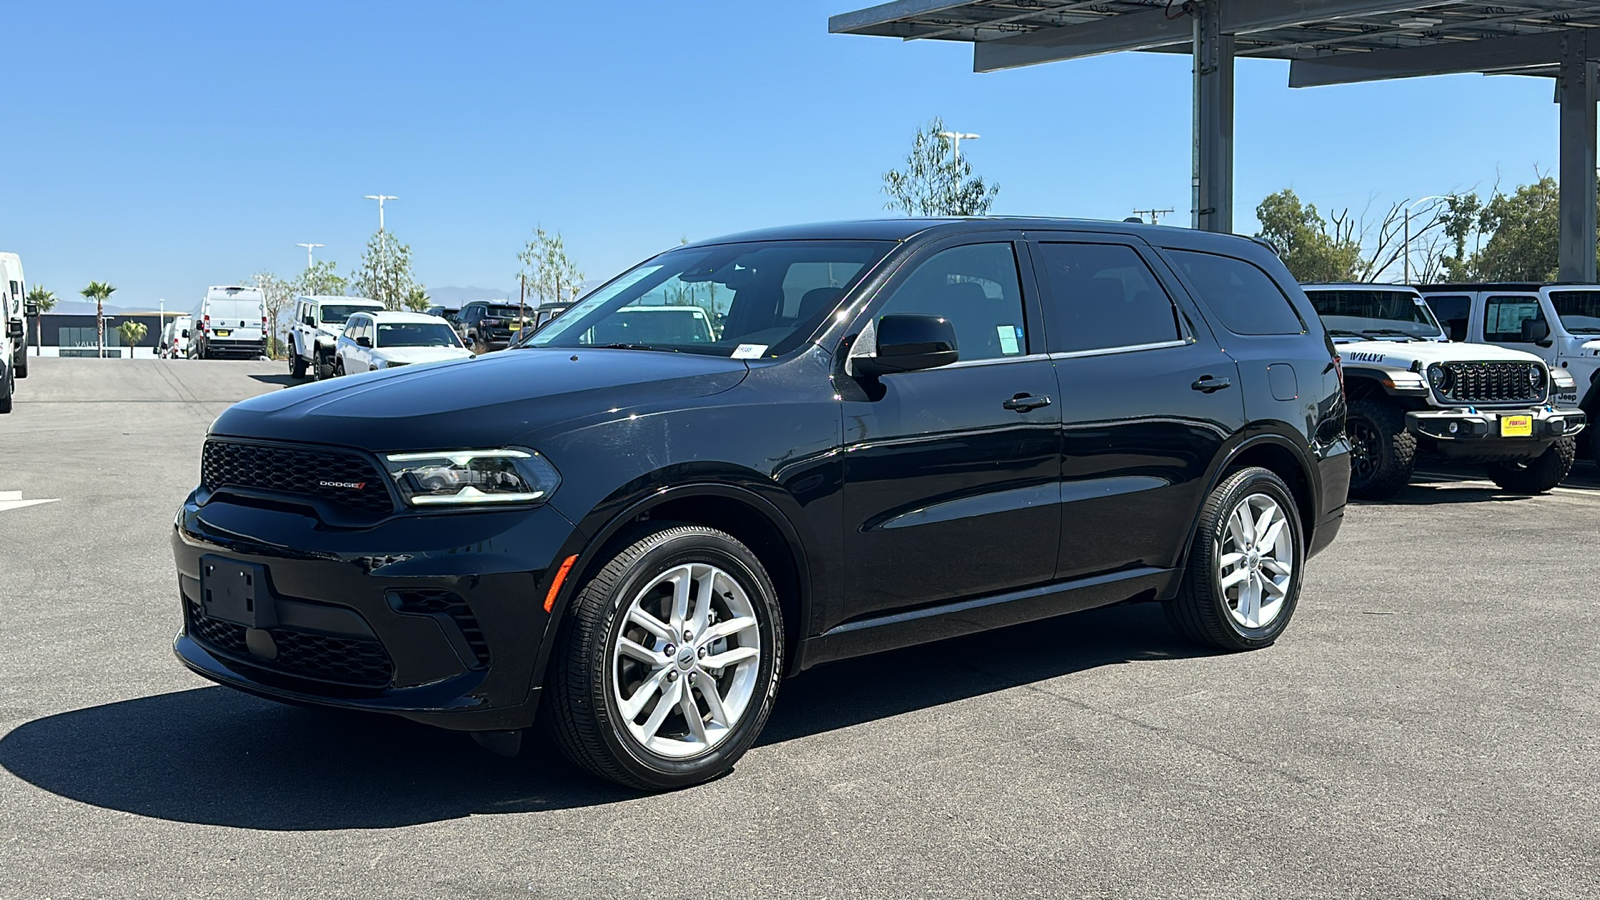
(1584, 330)
(632, 347)
(1344, 332)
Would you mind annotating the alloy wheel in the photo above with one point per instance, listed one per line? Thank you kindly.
(1255, 561)
(684, 665)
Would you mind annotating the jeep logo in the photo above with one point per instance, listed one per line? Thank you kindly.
(350, 485)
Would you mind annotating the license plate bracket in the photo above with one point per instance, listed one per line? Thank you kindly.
(236, 592)
(1516, 426)
(224, 332)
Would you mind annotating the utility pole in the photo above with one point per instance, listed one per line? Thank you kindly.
(310, 247)
(380, 198)
(956, 137)
(1155, 214)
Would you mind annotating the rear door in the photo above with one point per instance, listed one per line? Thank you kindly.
(1147, 399)
(951, 474)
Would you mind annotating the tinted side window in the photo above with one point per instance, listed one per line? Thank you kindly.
(1452, 311)
(1245, 299)
(977, 289)
(1503, 318)
(1104, 296)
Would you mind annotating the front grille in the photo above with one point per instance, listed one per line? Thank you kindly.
(1494, 382)
(434, 601)
(327, 475)
(359, 662)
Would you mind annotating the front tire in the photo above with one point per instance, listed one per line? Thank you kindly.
(1537, 475)
(323, 367)
(669, 660)
(297, 364)
(1382, 452)
(7, 389)
(1244, 573)
(338, 367)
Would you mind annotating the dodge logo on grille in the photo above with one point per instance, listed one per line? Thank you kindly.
(352, 485)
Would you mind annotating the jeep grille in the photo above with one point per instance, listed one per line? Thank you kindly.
(1494, 382)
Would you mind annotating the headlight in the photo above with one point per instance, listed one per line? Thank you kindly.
(1536, 375)
(1439, 378)
(472, 477)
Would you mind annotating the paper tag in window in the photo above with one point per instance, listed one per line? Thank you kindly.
(1008, 339)
(749, 351)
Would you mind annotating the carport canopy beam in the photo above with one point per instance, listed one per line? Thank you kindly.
(1578, 213)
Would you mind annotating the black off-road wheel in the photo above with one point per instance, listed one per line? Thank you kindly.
(1537, 475)
(1243, 578)
(297, 364)
(323, 367)
(7, 388)
(1382, 452)
(22, 363)
(669, 660)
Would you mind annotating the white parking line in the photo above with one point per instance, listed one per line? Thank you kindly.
(13, 500)
(1484, 482)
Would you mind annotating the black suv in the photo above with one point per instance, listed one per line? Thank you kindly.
(897, 431)
(487, 325)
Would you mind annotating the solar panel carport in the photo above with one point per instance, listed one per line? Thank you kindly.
(1327, 41)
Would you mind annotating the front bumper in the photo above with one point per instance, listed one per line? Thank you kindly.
(437, 618)
(1470, 432)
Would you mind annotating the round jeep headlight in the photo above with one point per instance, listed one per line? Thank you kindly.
(1439, 379)
(1535, 375)
(472, 477)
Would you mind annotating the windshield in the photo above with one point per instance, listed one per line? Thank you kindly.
(1579, 310)
(416, 334)
(1375, 314)
(748, 301)
(337, 314)
(506, 312)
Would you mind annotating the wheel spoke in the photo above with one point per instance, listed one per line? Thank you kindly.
(1270, 538)
(1247, 523)
(1277, 568)
(726, 629)
(1250, 603)
(1273, 588)
(635, 650)
(1229, 559)
(1264, 524)
(730, 657)
(1234, 577)
(681, 585)
(691, 715)
(632, 706)
(650, 623)
(669, 700)
(705, 591)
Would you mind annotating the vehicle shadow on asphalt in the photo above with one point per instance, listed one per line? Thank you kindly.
(215, 756)
(284, 379)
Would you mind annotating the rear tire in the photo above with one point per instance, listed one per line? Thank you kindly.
(6, 390)
(297, 364)
(323, 368)
(621, 640)
(22, 364)
(1382, 452)
(1537, 475)
(338, 367)
(1244, 573)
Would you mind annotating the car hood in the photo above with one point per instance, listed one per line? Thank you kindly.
(410, 355)
(1401, 354)
(489, 401)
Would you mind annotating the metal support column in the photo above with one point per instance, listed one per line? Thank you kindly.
(1213, 120)
(1577, 94)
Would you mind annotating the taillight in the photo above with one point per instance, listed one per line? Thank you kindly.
(263, 323)
(488, 321)
(205, 323)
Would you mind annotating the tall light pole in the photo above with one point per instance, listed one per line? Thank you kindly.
(380, 198)
(310, 247)
(956, 137)
(1407, 250)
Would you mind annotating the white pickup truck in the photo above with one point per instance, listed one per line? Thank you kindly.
(1413, 392)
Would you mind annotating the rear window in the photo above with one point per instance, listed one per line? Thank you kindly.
(1243, 297)
(1105, 297)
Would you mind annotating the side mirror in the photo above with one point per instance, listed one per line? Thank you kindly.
(186, 332)
(364, 341)
(910, 343)
(1535, 331)
(14, 329)
(310, 321)
(30, 309)
(1458, 330)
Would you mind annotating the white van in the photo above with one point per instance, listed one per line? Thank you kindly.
(318, 320)
(175, 338)
(233, 322)
(13, 288)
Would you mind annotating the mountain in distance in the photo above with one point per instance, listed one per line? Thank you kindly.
(455, 297)
(86, 308)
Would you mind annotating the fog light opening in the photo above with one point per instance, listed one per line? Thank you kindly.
(1454, 428)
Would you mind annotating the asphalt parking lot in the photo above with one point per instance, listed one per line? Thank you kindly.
(1428, 726)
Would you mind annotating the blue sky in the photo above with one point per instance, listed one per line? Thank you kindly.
(168, 146)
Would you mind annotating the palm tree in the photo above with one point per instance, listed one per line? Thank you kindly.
(132, 333)
(98, 292)
(43, 301)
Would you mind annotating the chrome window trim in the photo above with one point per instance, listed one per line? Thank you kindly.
(1131, 348)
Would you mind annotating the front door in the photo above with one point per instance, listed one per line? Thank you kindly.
(950, 474)
(1506, 321)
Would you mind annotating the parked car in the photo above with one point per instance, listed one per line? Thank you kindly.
(233, 322)
(13, 294)
(539, 317)
(388, 340)
(1413, 393)
(1559, 323)
(175, 338)
(13, 346)
(487, 325)
(447, 313)
(907, 430)
(318, 321)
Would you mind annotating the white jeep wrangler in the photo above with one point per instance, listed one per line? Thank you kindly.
(1411, 391)
(318, 320)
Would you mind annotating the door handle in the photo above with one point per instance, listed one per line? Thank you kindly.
(1206, 384)
(1025, 402)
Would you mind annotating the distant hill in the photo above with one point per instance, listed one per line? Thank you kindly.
(456, 296)
(86, 308)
